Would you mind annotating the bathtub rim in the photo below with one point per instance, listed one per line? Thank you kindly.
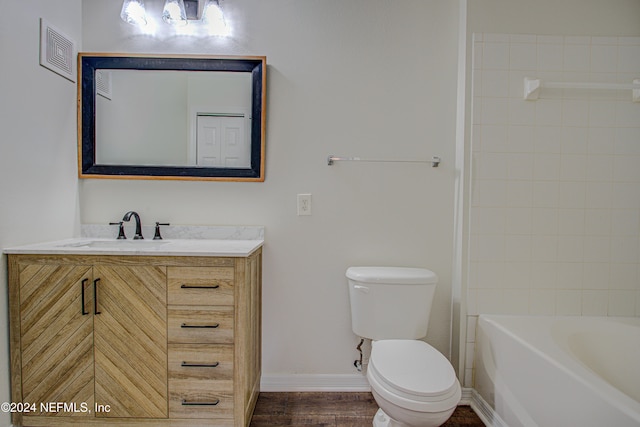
(561, 358)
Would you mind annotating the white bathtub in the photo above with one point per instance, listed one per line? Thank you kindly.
(559, 371)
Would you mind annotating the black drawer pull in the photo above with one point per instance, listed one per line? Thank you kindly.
(84, 283)
(184, 325)
(200, 365)
(95, 297)
(199, 287)
(187, 403)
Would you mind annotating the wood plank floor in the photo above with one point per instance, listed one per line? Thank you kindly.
(332, 410)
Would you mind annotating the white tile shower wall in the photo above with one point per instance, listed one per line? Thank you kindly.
(555, 201)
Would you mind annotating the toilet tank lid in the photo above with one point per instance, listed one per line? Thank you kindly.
(395, 275)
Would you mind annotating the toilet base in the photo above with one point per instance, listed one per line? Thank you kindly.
(423, 419)
(383, 420)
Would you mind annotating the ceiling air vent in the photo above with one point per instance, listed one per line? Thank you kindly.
(57, 51)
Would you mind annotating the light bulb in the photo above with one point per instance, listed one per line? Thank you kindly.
(214, 19)
(174, 12)
(133, 12)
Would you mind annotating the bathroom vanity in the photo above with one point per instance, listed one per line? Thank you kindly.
(162, 333)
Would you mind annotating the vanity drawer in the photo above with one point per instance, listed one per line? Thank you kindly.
(200, 325)
(200, 362)
(200, 399)
(200, 285)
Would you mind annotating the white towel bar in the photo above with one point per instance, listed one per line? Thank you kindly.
(435, 161)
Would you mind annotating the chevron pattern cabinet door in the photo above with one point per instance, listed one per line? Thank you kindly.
(56, 337)
(130, 334)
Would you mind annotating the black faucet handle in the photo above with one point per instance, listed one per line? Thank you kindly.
(157, 235)
(121, 234)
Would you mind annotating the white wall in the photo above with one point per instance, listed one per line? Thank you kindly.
(368, 78)
(140, 123)
(554, 195)
(38, 184)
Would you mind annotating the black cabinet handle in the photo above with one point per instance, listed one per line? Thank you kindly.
(83, 284)
(184, 325)
(200, 365)
(95, 297)
(199, 287)
(187, 403)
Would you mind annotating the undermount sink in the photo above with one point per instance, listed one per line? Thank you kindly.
(117, 244)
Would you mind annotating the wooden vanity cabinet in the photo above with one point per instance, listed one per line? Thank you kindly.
(130, 340)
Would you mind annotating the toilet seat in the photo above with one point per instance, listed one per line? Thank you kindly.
(414, 375)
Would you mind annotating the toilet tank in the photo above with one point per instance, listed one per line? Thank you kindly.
(390, 302)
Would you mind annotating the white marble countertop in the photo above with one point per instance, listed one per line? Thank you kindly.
(196, 243)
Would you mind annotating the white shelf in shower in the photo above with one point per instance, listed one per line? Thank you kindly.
(532, 87)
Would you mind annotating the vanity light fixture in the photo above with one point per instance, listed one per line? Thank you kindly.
(179, 13)
(133, 12)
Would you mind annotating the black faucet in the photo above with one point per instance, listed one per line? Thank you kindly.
(127, 217)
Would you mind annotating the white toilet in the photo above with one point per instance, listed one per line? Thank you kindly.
(412, 382)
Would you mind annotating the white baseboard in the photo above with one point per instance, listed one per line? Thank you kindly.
(485, 412)
(311, 382)
(329, 383)
(467, 396)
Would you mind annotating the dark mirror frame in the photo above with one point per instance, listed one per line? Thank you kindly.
(88, 63)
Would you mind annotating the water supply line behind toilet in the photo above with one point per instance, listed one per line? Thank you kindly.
(358, 362)
(362, 362)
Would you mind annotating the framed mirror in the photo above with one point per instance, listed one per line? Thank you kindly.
(171, 117)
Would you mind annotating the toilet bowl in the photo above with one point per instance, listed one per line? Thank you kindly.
(413, 383)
